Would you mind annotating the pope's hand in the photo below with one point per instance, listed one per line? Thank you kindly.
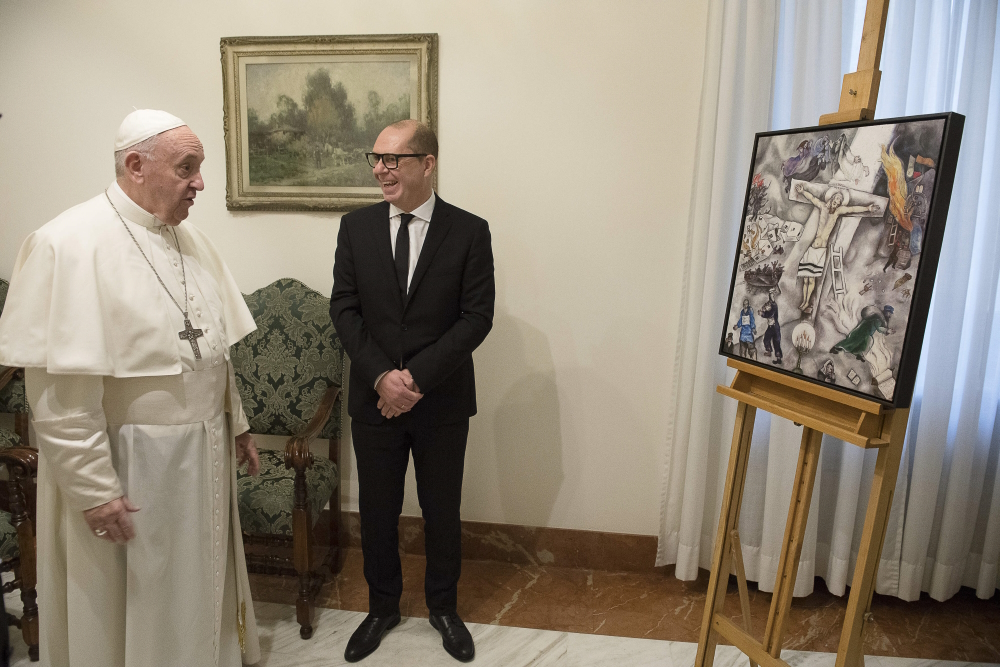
(246, 452)
(395, 393)
(111, 521)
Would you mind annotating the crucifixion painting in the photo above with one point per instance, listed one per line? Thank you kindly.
(831, 206)
(835, 226)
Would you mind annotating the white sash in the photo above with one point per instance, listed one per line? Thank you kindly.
(186, 398)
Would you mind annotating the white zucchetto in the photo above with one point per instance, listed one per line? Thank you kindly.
(143, 124)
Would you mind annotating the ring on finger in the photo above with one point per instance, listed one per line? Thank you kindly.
(100, 532)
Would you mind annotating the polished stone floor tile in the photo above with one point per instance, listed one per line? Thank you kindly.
(414, 643)
(655, 605)
(545, 615)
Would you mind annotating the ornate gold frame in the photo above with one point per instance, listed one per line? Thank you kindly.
(241, 196)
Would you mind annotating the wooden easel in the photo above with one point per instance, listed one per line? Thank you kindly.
(820, 410)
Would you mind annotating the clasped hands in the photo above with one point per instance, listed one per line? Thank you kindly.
(111, 521)
(398, 393)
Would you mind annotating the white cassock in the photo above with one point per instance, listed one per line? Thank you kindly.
(121, 406)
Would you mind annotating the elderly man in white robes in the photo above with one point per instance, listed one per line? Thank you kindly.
(122, 315)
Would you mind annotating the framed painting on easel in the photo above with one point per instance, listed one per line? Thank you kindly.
(841, 231)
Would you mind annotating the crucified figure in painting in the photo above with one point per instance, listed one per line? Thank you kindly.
(813, 262)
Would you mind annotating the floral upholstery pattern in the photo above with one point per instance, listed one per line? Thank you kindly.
(266, 502)
(285, 366)
(9, 439)
(8, 537)
(283, 369)
(12, 398)
(8, 534)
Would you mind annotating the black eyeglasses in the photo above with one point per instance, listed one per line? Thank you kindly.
(390, 160)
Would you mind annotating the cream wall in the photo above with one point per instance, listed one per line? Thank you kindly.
(568, 125)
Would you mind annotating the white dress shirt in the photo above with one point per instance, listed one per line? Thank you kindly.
(418, 227)
(418, 231)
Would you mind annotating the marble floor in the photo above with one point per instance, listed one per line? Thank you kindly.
(539, 616)
(414, 642)
(656, 606)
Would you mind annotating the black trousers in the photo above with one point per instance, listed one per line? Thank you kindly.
(772, 335)
(382, 453)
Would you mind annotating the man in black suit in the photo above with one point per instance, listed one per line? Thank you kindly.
(412, 298)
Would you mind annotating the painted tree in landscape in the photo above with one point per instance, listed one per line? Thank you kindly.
(288, 116)
(329, 116)
(320, 141)
(377, 117)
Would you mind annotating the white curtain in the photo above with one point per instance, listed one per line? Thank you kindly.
(779, 64)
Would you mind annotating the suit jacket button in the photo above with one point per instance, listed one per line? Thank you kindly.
(404, 327)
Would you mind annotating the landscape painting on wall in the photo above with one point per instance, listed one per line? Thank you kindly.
(301, 112)
(841, 231)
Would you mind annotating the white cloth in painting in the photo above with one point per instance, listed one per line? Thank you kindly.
(115, 415)
(813, 263)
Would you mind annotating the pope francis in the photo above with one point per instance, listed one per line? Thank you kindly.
(122, 316)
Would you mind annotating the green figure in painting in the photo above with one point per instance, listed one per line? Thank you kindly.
(861, 338)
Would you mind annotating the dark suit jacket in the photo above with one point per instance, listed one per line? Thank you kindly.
(446, 315)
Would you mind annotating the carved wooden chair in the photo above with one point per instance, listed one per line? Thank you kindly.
(17, 500)
(290, 373)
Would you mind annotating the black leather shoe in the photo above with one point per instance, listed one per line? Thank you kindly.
(368, 636)
(457, 638)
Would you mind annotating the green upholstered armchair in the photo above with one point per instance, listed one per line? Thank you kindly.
(17, 499)
(17, 537)
(12, 398)
(289, 373)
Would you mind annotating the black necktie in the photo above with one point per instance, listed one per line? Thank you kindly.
(403, 252)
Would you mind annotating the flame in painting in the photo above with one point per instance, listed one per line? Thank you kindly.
(803, 337)
(897, 187)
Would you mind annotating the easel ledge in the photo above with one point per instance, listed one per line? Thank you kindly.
(853, 419)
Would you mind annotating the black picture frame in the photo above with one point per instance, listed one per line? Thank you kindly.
(829, 306)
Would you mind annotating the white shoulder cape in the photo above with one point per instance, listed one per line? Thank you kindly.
(83, 301)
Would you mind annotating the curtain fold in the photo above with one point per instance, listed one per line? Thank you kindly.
(735, 102)
(779, 64)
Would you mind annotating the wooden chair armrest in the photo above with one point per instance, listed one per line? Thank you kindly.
(322, 415)
(21, 461)
(297, 454)
(7, 374)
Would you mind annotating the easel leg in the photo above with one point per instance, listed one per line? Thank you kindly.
(849, 653)
(798, 514)
(729, 518)
(741, 582)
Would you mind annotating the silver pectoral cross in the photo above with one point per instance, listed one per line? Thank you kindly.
(191, 335)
